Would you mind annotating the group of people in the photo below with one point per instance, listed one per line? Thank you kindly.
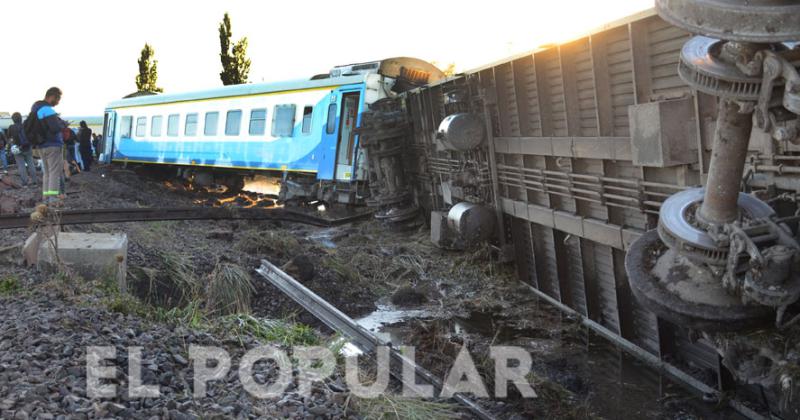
(54, 145)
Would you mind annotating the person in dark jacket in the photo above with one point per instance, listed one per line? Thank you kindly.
(85, 145)
(3, 148)
(50, 150)
(70, 140)
(22, 150)
(96, 146)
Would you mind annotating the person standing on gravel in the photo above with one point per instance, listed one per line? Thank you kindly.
(85, 145)
(51, 147)
(21, 149)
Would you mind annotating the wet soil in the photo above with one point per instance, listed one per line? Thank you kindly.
(443, 300)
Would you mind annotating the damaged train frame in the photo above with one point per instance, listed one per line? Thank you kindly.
(644, 176)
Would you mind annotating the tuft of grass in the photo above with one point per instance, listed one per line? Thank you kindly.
(229, 289)
(394, 407)
(9, 286)
(128, 305)
(344, 270)
(179, 272)
(278, 242)
(191, 315)
(273, 331)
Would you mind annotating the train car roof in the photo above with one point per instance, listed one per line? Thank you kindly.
(236, 90)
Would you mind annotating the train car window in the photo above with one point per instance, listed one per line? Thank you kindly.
(283, 120)
(307, 111)
(233, 122)
(141, 126)
(125, 127)
(155, 125)
(212, 121)
(173, 122)
(331, 126)
(191, 125)
(258, 122)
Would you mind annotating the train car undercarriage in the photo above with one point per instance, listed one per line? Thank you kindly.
(643, 177)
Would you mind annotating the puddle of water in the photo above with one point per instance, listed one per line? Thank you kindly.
(383, 322)
(324, 237)
(613, 384)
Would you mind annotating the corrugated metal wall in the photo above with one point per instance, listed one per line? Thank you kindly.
(566, 179)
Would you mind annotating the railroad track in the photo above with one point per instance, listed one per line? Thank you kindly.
(362, 338)
(88, 216)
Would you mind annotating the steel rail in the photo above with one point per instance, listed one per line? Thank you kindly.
(88, 216)
(365, 340)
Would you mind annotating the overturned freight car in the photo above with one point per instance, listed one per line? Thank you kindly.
(670, 139)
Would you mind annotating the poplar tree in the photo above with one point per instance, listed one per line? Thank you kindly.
(146, 80)
(235, 64)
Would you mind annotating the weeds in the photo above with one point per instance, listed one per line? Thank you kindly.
(344, 270)
(9, 286)
(229, 290)
(181, 277)
(270, 330)
(190, 315)
(391, 407)
(128, 305)
(278, 242)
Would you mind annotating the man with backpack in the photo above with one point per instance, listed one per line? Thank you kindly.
(43, 129)
(21, 149)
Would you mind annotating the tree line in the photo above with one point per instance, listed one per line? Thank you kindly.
(235, 64)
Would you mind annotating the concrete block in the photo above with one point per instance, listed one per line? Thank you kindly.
(91, 255)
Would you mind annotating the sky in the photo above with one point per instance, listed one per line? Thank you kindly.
(89, 48)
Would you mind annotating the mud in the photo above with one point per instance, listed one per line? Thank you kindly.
(443, 300)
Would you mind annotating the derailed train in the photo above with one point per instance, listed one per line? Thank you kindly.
(302, 131)
(644, 177)
(641, 177)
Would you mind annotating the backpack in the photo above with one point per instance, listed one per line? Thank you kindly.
(16, 136)
(32, 130)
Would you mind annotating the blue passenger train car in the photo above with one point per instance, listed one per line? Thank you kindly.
(302, 131)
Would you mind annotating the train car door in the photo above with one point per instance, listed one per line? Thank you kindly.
(345, 145)
(107, 145)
